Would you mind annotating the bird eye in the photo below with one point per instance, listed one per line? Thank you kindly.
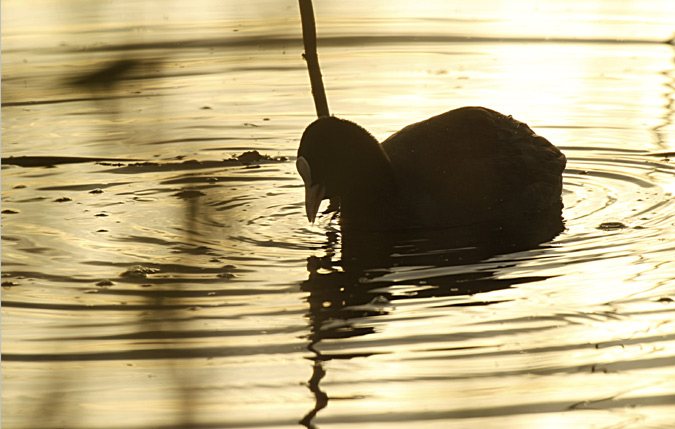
(304, 170)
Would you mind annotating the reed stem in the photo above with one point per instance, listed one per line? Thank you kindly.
(312, 58)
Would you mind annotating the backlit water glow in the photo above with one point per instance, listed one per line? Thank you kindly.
(152, 279)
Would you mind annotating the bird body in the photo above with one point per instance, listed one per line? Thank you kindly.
(463, 167)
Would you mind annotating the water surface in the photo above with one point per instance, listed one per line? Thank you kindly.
(154, 277)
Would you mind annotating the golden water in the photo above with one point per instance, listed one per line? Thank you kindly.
(188, 291)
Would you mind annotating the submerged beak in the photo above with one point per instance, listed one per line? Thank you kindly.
(314, 193)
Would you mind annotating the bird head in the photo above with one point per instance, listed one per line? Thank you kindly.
(338, 158)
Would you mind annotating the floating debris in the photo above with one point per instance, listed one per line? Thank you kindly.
(63, 200)
(253, 156)
(9, 284)
(10, 211)
(247, 158)
(611, 226)
(111, 164)
(96, 191)
(105, 283)
(51, 161)
(250, 157)
(139, 272)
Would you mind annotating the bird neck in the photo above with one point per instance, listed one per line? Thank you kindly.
(369, 189)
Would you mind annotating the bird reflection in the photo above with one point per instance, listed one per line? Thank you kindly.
(350, 281)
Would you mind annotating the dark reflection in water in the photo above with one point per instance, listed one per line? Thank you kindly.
(109, 74)
(160, 324)
(355, 284)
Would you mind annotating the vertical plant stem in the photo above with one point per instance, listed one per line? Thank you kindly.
(312, 58)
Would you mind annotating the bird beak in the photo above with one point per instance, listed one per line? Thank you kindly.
(314, 194)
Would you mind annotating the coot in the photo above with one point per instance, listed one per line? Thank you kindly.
(463, 167)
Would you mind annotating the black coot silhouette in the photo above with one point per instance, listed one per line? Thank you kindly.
(467, 166)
